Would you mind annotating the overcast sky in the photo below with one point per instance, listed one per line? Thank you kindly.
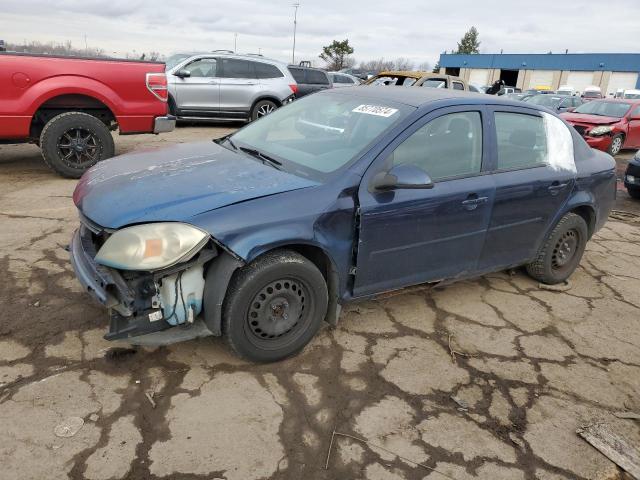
(419, 30)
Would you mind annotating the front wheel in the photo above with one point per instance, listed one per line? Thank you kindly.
(274, 306)
(616, 145)
(561, 252)
(263, 108)
(72, 142)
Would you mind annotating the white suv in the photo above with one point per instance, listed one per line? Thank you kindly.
(222, 85)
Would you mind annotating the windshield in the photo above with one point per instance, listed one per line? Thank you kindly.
(321, 133)
(545, 100)
(592, 94)
(605, 109)
(174, 60)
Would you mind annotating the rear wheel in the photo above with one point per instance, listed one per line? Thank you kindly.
(616, 145)
(263, 108)
(561, 252)
(73, 142)
(274, 306)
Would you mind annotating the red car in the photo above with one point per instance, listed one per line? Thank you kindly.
(70, 105)
(608, 125)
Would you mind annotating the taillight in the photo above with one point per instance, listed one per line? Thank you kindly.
(294, 88)
(157, 84)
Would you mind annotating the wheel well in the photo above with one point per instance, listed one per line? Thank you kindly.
(70, 103)
(588, 215)
(273, 99)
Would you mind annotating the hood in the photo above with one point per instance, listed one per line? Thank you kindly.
(175, 183)
(589, 119)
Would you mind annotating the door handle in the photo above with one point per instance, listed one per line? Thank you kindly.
(556, 187)
(473, 202)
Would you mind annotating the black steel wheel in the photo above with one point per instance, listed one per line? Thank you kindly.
(274, 306)
(73, 142)
(561, 252)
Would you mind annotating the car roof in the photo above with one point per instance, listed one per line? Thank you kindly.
(229, 53)
(419, 96)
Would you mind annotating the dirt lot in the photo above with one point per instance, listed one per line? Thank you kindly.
(531, 366)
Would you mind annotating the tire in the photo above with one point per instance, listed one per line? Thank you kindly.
(73, 142)
(634, 192)
(617, 142)
(561, 252)
(274, 307)
(262, 108)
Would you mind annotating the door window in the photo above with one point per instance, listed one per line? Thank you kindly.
(317, 77)
(448, 146)
(232, 68)
(298, 74)
(522, 142)
(205, 67)
(458, 86)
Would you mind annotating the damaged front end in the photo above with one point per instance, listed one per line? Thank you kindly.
(155, 304)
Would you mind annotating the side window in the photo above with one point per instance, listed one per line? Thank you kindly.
(522, 140)
(317, 77)
(205, 67)
(341, 79)
(458, 86)
(447, 146)
(298, 74)
(232, 68)
(265, 70)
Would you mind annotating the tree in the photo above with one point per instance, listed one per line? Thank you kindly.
(425, 67)
(379, 65)
(402, 63)
(469, 42)
(337, 54)
(436, 67)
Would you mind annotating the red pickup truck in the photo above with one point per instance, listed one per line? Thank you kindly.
(70, 105)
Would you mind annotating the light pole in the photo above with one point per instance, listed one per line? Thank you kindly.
(235, 43)
(295, 24)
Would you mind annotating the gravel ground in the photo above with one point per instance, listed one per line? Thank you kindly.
(525, 365)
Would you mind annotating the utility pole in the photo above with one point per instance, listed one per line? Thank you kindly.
(295, 24)
(235, 43)
(86, 48)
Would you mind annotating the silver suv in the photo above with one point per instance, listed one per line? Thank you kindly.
(221, 85)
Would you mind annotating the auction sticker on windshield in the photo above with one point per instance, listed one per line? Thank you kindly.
(377, 110)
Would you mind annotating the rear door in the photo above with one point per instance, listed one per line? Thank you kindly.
(239, 84)
(633, 135)
(412, 236)
(199, 92)
(531, 181)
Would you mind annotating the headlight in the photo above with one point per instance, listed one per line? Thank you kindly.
(598, 131)
(151, 246)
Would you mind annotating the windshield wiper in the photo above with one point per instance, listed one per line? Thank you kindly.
(226, 138)
(266, 159)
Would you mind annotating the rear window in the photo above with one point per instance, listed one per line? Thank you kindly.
(298, 74)
(317, 77)
(265, 70)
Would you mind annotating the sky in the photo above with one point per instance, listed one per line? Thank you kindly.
(418, 30)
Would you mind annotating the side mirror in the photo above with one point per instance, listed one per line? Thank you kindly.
(401, 177)
(182, 73)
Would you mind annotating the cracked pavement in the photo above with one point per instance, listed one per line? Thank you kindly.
(528, 367)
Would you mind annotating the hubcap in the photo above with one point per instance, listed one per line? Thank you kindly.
(277, 309)
(617, 144)
(265, 110)
(78, 147)
(565, 249)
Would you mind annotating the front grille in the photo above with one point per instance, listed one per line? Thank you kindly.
(581, 129)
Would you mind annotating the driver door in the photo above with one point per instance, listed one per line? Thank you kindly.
(199, 93)
(411, 236)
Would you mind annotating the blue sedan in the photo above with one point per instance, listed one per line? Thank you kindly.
(262, 235)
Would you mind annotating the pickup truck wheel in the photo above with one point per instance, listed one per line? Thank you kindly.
(72, 142)
(561, 252)
(616, 145)
(274, 306)
(262, 108)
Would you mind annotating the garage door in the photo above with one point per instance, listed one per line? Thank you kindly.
(541, 78)
(580, 80)
(623, 80)
(479, 76)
